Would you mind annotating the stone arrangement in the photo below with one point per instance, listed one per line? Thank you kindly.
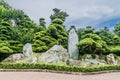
(58, 54)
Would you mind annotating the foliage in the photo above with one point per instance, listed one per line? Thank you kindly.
(16, 46)
(17, 29)
(4, 47)
(117, 29)
(109, 37)
(57, 21)
(114, 49)
(58, 14)
(87, 30)
(92, 43)
(58, 32)
(59, 67)
(42, 22)
(42, 42)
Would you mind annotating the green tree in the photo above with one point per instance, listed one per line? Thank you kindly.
(92, 43)
(42, 22)
(87, 30)
(109, 37)
(58, 14)
(5, 49)
(42, 42)
(57, 31)
(117, 29)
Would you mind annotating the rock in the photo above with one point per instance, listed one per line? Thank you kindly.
(32, 59)
(93, 61)
(27, 49)
(87, 56)
(118, 60)
(72, 41)
(56, 54)
(85, 64)
(90, 62)
(110, 59)
(15, 57)
(72, 62)
(13, 22)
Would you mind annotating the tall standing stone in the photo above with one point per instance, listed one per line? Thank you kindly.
(72, 41)
(27, 49)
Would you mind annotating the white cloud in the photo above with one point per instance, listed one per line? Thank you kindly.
(87, 12)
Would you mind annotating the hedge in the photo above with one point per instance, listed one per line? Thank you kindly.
(59, 67)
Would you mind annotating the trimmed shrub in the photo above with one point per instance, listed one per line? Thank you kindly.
(59, 67)
(57, 21)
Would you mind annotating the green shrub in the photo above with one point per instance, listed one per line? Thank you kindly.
(59, 67)
(6, 49)
(114, 49)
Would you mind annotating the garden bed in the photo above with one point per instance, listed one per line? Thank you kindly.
(21, 67)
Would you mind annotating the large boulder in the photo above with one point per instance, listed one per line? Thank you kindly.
(27, 49)
(56, 54)
(111, 59)
(15, 57)
(72, 41)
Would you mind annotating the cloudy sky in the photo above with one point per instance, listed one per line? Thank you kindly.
(96, 13)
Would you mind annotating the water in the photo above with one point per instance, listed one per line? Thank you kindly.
(72, 41)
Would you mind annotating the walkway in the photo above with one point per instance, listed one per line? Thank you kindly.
(56, 76)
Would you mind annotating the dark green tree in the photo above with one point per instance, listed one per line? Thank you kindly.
(42, 42)
(57, 31)
(117, 29)
(58, 14)
(92, 43)
(42, 22)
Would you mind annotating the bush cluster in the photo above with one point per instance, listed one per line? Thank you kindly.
(59, 67)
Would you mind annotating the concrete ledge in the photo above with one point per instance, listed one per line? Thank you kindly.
(53, 71)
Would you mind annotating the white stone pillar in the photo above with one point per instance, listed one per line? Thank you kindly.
(72, 41)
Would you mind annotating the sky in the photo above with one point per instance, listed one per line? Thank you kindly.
(82, 13)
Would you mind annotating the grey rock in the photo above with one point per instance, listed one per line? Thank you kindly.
(110, 59)
(13, 22)
(27, 49)
(118, 60)
(56, 54)
(95, 62)
(72, 62)
(14, 57)
(85, 63)
(72, 41)
(32, 59)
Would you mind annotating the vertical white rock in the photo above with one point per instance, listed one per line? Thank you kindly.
(27, 49)
(72, 41)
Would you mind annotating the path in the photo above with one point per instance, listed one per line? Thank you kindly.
(56, 76)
